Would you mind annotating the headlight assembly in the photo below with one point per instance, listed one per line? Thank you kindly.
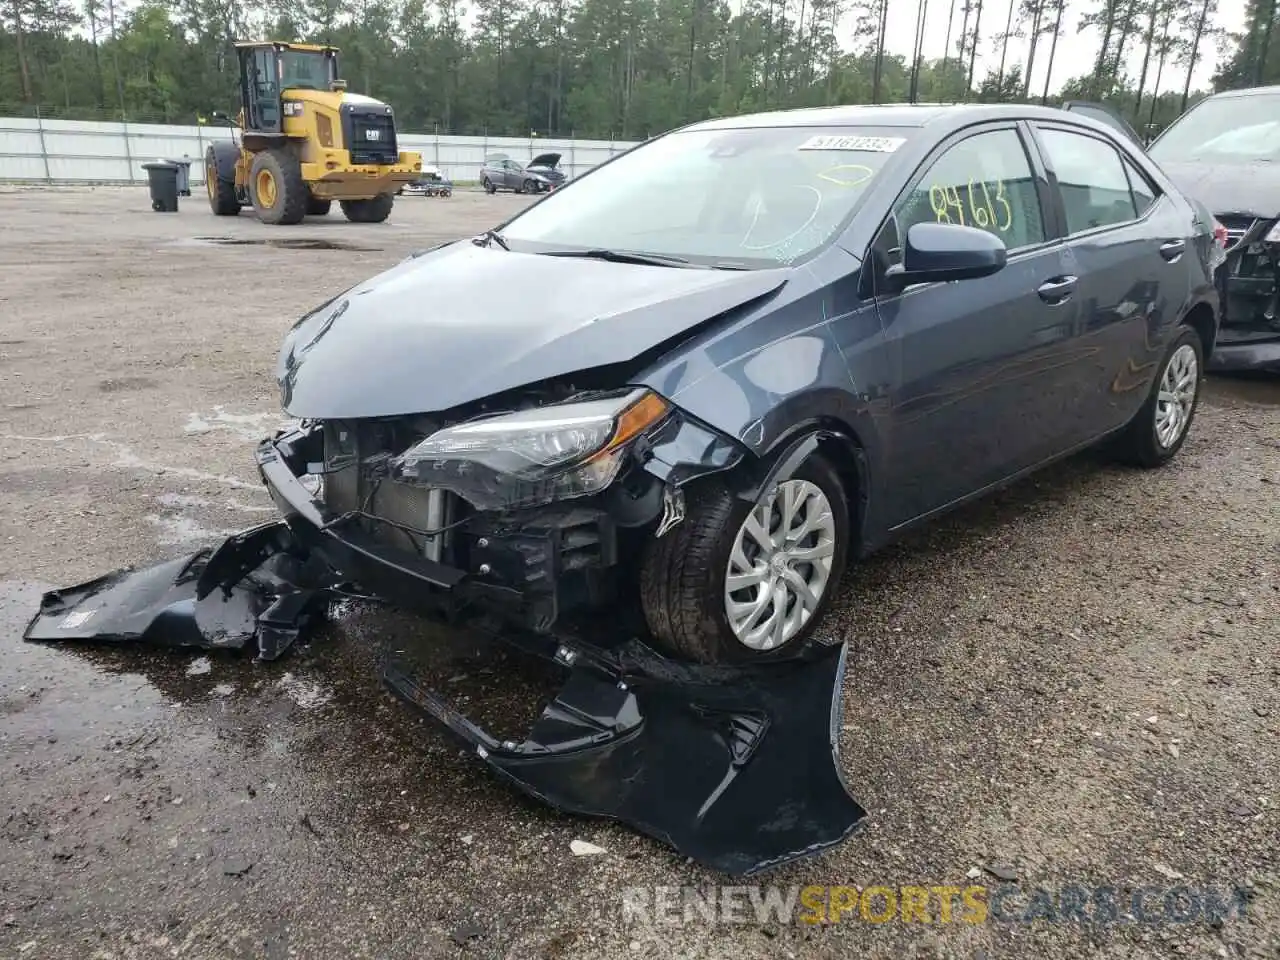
(533, 457)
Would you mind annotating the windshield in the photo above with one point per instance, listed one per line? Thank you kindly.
(1230, 130)
(304, 71)
(743, 197)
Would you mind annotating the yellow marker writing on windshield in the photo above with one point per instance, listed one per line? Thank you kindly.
(856, 176)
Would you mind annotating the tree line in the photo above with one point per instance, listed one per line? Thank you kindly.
(623, 69)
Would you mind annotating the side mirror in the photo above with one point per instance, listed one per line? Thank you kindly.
(945, 251)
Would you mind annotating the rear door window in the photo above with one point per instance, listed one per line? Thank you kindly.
(1144, 194)
(1091, 178)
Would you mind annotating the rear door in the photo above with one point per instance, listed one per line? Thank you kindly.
(1127, 243)
(981, 361)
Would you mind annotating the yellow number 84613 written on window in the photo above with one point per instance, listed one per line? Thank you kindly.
(988, 209)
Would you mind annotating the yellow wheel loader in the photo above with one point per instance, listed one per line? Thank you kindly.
(305, 142)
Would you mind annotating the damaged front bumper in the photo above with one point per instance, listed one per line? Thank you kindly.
(734, 767)
(1249, 291)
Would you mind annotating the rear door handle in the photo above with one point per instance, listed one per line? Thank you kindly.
(1057, 289)
(1171, 250)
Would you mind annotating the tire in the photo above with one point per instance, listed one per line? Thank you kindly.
(369, 211)
(529, 186)
(275, 183)
(222, 192)
(488, 185)
(1141, 443)
(318, 208)
(683, 574)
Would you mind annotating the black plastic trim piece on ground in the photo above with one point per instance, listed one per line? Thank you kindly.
(735, 767)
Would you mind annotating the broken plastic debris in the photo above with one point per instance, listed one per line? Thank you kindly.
(697, 756)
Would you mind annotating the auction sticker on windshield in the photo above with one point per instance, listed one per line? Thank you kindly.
(861, 144)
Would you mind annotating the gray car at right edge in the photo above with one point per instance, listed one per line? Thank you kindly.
(1225, 153)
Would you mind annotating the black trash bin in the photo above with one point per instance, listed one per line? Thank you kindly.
(162, 178)
(184, 175)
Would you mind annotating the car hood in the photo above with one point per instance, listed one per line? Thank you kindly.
(1245, 190)
(545, 160)
(463, 322)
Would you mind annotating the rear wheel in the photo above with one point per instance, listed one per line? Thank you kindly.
(736, 581)
(279, 193)
(488, 185)
(1157, 433)
(222, 192)
(317, 207)
(369, 211)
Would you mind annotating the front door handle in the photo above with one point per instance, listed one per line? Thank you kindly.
(1171, 250)
(1057, 289)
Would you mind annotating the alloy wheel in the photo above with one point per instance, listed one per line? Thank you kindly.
(780, 565)
(1178, 386)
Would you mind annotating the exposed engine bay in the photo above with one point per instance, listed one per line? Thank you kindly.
(1252, 272)
(1249, 290)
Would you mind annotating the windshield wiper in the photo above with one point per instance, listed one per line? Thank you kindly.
(490, 237)
(621, 256)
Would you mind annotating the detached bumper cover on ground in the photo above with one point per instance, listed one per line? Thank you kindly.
(734, 767)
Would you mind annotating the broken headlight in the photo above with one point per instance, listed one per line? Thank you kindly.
(533, 457)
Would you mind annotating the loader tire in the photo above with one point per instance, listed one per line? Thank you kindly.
(275, 183)
(369, 211)
(222, 191)
(318, 208)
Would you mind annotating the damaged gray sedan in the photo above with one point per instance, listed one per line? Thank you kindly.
(1224, 152)
(694, 386)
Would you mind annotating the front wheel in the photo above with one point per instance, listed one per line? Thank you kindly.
(279, 193)
(736, 582)
(374, 210)
(1160, 428)
(530, 186)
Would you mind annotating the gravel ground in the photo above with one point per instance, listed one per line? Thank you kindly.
(1071, 685)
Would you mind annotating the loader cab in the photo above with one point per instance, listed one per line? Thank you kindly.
(269, 69)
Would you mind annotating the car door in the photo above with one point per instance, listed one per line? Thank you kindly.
(511, 173)
(980, 361)
(1127, 242)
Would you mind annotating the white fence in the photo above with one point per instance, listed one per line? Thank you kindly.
(73, 151)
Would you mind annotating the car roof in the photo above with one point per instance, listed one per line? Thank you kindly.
(1246, 92)
(906, 115)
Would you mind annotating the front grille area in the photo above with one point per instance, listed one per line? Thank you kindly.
(1236, 227)
(370, 134)
(356, 456)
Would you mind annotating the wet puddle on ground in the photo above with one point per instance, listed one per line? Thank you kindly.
(283, 243)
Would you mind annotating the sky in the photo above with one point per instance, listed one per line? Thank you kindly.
(1076, 51)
